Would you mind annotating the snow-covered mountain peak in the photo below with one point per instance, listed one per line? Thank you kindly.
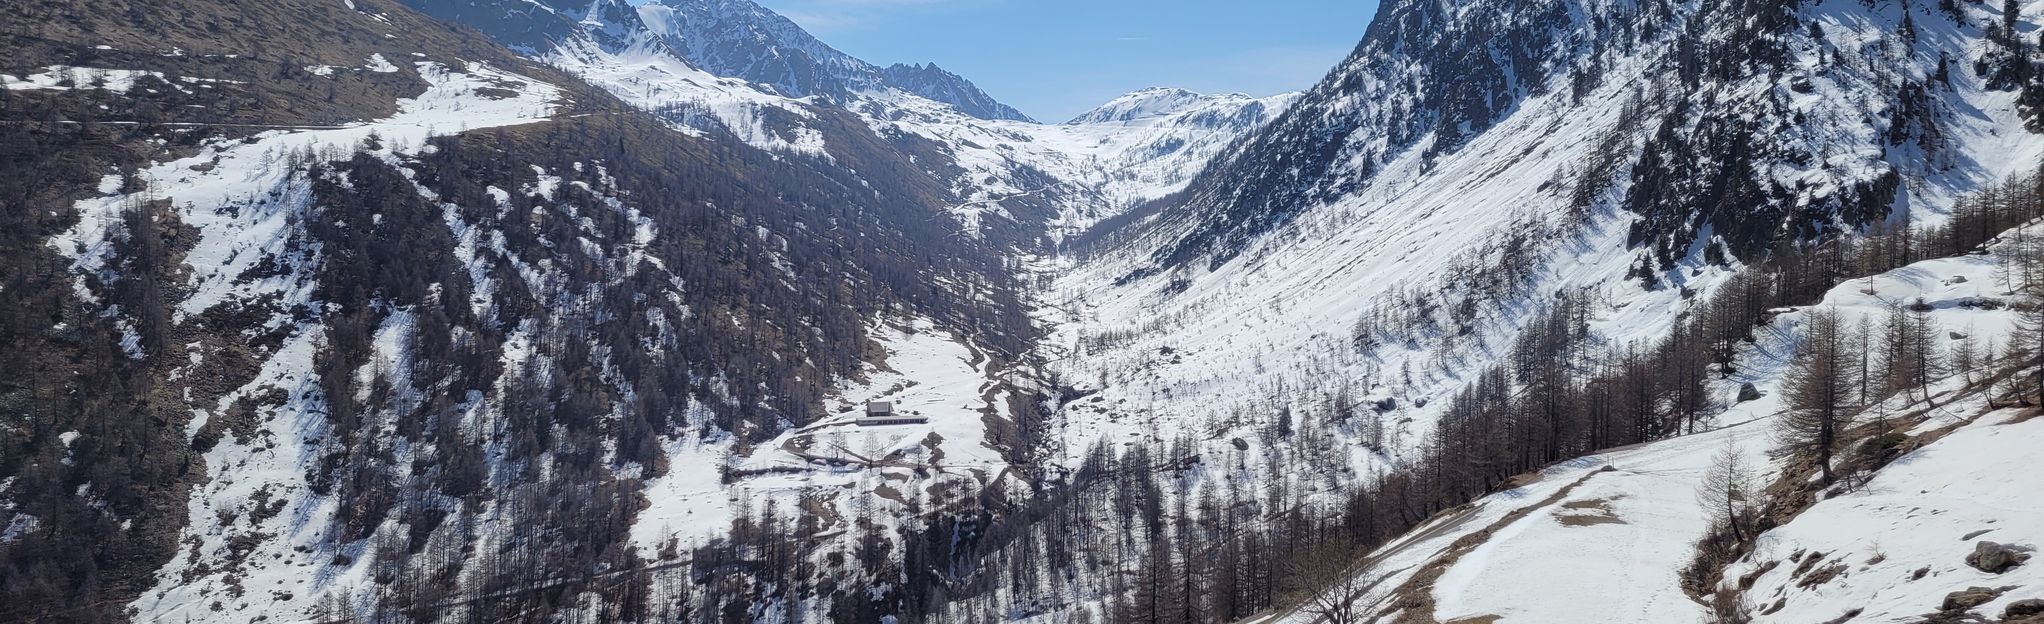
(936, 83)
(1154, 103)
(741, 39)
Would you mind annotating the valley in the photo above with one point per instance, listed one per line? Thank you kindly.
(574, 311)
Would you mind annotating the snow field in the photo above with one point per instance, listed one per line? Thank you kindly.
(1903, 539)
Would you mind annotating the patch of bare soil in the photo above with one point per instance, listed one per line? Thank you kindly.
(1584, 513)
(888, 492)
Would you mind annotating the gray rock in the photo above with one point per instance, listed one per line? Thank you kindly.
(2023, 608)
(1995, 558)
(1968, 598)
(1748, 393)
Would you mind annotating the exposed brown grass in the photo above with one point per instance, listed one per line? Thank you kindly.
(1585, 513)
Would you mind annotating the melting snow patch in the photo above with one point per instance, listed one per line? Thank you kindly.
(1905, 536)
(65, 78)
(67, 438)
(378, 64)
(545, 186)
(19, 524)
(131, 340)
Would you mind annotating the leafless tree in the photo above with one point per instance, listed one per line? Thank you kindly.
(1819, 392)
(1339, 597)
(1727, 492)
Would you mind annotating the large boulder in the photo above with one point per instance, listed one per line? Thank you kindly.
(1748, 393)
(1996, 558)
(2024, 608)
(1969, 597)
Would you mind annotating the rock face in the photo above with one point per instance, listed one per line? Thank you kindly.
(1686, 158)
(1996, 558)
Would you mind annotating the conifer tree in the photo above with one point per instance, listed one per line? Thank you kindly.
(1818, 392)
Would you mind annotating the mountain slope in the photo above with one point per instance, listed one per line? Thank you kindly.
(1412, 94)
(330, 311)
(740, 39)
(1610, 535)
(433, 354)
(703, 65)
(1061, 179)
(1399, 248)
(1321, 309)
(933, 82)
(1150, 103)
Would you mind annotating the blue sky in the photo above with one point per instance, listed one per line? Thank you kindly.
(1055, 59)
